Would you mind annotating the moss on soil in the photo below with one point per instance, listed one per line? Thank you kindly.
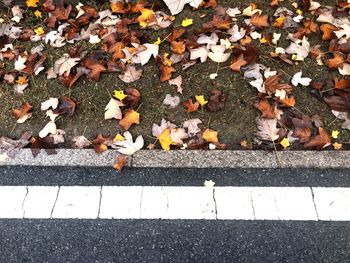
(235, 122)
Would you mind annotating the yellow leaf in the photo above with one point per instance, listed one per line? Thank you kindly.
(147, 16)
(118, 138)
(337, 146)
(210, 136)
(158, 41)
(39, 31)
(143, 24)
(21, 80)
(285, 143)
(335, 134)
(299, 12)
(32, 3)
(165, 139)
(201, 100)
(186, 22)
(119, 94)
(37, 14)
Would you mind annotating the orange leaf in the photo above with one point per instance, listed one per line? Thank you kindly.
(337, 60)
(289, 102)
(166, 72)
(178, 47)
(191, 107)
(238, 62)
(131, 117)
(119, 164)
(210, 136)
(117, 7)
(23, 110)
(268, 111)
(327, 30)
(341, 83)
(259, 20)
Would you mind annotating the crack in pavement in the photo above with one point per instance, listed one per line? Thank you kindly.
(54, 205)
(25, 197)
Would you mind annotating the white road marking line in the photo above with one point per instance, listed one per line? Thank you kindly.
(332, 204)
(234, 203)
(190, 203)
(120, 202)
(294, 203)
(11, 201)
(149, 202)
(77, 202)
(39, 201)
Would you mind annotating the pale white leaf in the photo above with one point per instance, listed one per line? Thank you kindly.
(128, 146)
(113, 110)
(50, 128)
(50, 103)
(297, 79)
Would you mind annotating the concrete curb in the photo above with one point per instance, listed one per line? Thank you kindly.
(186, 159)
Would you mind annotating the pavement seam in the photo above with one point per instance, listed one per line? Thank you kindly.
(54, 204)
(141, 202)
(99, 205)
(252, 202)
(313, 200)
(215, 204)
(25, 197)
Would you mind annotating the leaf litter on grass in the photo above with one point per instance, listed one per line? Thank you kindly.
(282, 55)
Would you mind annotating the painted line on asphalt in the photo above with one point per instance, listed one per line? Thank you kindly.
(168, 202)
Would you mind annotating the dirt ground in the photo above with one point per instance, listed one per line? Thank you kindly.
(236, 122)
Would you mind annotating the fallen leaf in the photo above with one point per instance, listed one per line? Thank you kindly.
(120, 163)
(80, 142)
(130, 117)
(113, 110)
(285, 143)
(172, 101)
(267, 129)
(32, 3)
(50, 128)
(128, 146)
(337, 146)
(267, 110)
(210, 136)
(319, 141)
(216, 101)
(119, 94)
(131, 74)
(259, 20)
(65, 105)
(297, 79)
(177, 82)
(335, 134)
(165, 140)
(50, 103)
(201, 100)
(22, 114)
(192, 126)
(238, 62)
(190, 106)
(187, 22)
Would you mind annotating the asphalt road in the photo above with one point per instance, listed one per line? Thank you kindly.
(173, 241)
(31, 175)
(53, 240)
